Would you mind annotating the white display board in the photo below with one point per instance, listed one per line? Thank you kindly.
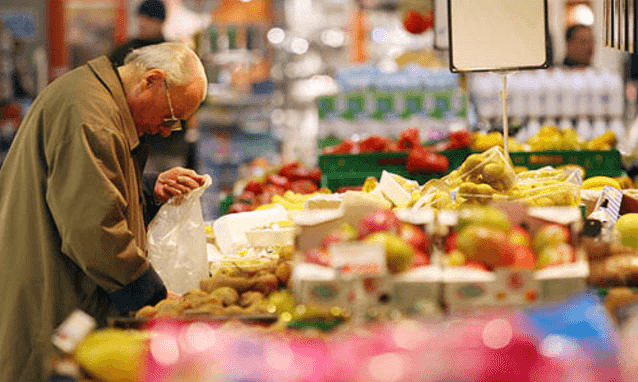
(489, 35)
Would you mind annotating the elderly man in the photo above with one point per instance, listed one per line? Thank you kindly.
(71, 201)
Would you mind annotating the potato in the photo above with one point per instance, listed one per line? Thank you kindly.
(283, 272)
(227, 295)
(146, 312)
(266, 284)
(250, 298)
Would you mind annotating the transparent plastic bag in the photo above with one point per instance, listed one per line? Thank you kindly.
(491, 167)
(177, 242)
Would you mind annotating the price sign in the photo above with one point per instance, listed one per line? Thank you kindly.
(358, 259)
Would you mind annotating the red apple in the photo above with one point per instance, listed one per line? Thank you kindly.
(345, 233)
(415, 236)
(550, 235)
(524, 257)
(476, 265)
(520, 236)
(318, 256)
(557, 254)
(486, 245)
(379, 220)
(420, 259)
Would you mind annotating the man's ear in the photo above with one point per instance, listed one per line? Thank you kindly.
(154, 77)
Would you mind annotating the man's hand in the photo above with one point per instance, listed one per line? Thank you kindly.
(176, 181)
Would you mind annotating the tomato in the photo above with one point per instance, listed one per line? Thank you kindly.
(240, 207)
(345, 147)
(303, 186)
(416, 23)
(373, 144)
(278, 180)
(423, 160)
(254, 186)
(409, 139)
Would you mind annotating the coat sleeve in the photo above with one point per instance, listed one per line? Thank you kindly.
(89, 199)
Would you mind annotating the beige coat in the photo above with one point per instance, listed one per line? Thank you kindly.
(71, 222)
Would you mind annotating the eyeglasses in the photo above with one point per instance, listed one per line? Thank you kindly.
(172, 122)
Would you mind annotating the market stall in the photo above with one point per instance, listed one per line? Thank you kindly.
(413, 248)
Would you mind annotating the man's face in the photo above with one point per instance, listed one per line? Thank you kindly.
(149, 103)
(580, 48)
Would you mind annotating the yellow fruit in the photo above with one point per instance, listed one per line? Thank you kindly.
(398, 253)
(113, 355)
(485, 216)
(370, 184)
(597, 182)
(625, 182)
(627, 226)
(603, 142)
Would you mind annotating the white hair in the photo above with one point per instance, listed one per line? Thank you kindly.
(180, 63)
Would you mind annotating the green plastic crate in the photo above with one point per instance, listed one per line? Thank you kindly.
(595, 163)
(345, 170)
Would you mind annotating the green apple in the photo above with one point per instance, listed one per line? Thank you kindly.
(520, 236)
(556, 254)
(485, 216)
(399, 254)
(550, 235)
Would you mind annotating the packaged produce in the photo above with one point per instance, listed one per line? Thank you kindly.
(470, 193)
(547, 193)
(491, 167)
(435, 194)
(549, 173)
(400, 191)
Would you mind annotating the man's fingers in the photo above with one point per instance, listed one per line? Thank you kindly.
(188, 181)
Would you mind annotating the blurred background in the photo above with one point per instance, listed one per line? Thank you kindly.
(286, 75)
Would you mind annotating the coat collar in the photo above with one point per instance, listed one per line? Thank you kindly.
(103, 69)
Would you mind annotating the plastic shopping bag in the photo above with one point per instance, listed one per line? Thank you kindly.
(177, 241)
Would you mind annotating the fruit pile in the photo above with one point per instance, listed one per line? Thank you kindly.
(490, 176)
(291, 179)
(484, 239)
(408, 140)
(406, 245)
(232, 290)
(548, 138)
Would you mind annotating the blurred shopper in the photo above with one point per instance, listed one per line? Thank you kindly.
(181, 147)
(151, 15)
(71, 197)
(580, 46)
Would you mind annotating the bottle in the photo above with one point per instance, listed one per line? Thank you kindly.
(584, 128)
(599, 127)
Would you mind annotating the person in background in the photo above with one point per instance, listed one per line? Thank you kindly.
(151, 15)
(71, 197)
(180, 149)
(580, 46)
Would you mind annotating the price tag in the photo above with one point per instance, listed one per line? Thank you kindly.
(516, 287)
(358, 259)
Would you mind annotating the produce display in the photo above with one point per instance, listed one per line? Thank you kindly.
(289, 178)
(548, 138)
(485, 240)
(405, 245)
(235, 289)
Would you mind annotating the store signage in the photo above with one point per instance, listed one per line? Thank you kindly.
(497, 35)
